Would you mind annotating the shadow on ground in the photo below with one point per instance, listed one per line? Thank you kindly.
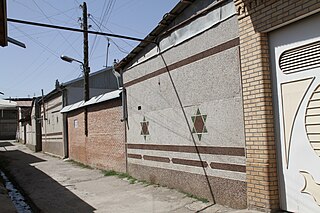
(46, 193)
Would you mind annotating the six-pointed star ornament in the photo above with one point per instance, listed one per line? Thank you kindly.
(199, 124)
(144, 128)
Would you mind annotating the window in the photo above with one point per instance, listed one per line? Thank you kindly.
(75, 123)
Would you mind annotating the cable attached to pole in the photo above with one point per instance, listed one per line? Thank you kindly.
(186, 118)
(77, 30)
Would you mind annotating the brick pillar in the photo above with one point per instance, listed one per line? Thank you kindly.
(262, 183)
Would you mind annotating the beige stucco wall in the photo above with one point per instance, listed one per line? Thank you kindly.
(211, 84)
(52, 127)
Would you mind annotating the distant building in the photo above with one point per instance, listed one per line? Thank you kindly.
(24, 110)
(8, 119)
(33, 127)
(104, 145)
(54, 124)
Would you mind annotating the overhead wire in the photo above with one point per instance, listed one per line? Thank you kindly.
(95, 38)
(187, 122)
(45, 48)
(61, 12)
(95, 21)
(121, 49)
(76, 51)
(37, 42)
(107, 14)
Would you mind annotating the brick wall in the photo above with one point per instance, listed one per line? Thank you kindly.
(104, 147)
(256, 17)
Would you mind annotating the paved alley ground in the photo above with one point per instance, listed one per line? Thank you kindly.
(55, 185)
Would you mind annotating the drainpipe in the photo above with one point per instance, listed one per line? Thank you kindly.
(65, 123)
(124, 117)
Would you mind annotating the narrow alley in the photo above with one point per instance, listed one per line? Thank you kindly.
(56, 185)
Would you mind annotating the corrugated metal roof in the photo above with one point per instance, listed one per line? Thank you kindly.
(24, 103)
(94, 100)
(6, 104)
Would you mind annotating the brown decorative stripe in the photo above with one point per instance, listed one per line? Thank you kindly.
(154, 158)
(212, 51)
(52, 134)
(229, 167)
(189, 162)
(43, 138)
(134, 156)
(232, 151)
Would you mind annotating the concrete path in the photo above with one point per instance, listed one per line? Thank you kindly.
(55, 185)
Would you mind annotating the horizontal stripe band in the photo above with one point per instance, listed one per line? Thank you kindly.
(212, 51)
(232, 151)
(52, 134)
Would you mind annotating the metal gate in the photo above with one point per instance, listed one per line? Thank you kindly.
(295, 59)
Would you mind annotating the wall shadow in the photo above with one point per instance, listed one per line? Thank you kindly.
(46, 194)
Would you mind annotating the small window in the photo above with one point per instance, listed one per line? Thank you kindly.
(75, 123)
(57, 119)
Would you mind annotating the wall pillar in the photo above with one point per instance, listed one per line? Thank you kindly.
(262, 183)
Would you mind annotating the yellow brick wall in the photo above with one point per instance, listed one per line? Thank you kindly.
(256, 18)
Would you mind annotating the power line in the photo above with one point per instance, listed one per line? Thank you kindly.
(107, 14)
(77, 30)
(61, 12)
(121, 49)
(59, 31)
(187, 122)
(37, 42)
(95, 22)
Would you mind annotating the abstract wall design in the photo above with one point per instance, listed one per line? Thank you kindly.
(292, 94)
(311, 187)
(199, 124)
(144, 128)
(313, 121)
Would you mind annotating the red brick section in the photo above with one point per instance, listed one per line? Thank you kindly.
(256, 17)
(104, 148)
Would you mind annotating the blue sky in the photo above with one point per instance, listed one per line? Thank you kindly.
(24, 72)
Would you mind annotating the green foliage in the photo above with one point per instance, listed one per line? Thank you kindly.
(126, 176)
(79, 164)
(204, 200)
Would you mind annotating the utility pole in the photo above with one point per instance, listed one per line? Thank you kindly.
(107, 55)
(86, 68)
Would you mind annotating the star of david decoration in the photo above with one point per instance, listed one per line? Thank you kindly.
(199, 124)
(144, 128)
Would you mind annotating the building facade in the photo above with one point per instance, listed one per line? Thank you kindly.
(8, 120)
(53, 138)
(104, 145)
(279, 68)
(180, 96)
(55, 124)
(33, 127)
(184, 102)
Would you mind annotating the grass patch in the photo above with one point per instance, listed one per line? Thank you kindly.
(79, 164)
(126, 176)
(203, 200)
(110, 173)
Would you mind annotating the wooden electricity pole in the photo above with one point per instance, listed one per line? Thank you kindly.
(86, 68)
